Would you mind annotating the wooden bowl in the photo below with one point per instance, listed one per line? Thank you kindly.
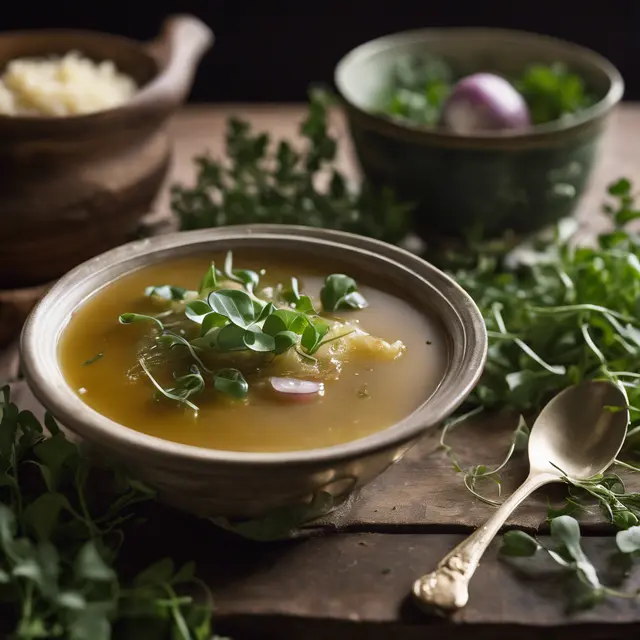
(73, 187)
(499, 181)
(213, 483)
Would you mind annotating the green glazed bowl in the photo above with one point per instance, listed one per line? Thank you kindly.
(501, 181)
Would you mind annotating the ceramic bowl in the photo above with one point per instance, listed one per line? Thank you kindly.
(73, 187)
(247, 485)
(506, 181)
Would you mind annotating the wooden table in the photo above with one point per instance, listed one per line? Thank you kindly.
(353, 581)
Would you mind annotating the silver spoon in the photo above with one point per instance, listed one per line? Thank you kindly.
(576, 433)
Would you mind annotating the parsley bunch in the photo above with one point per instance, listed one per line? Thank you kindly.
(62, 523)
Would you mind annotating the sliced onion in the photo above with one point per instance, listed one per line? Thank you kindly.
(485, 102)
(295, 388)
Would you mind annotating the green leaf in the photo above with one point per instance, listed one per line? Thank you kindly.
(197, 310)
(129, 318)
(209, 281)
(211, 321)
(235, 305)
(565, 531)
(42, 515)
(90, 565)
(341, 292)
(166, 292)
(72, 600)
(314, 334)
(518, 544)
(186, 573)
(629, 541)
(284, 341)
(156, 574)
(285, 320)
(8, 525)
(231, 338)
(231, 382)
(257, 340)
(88, 625)
(250, 279)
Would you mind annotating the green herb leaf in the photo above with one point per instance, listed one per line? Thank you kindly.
(257, 340)
(341, 292)
(565, 531)
(90, 565)
(235, 305)
(518, 544)
(209, 281)
(629, 541)
(196, 310)
(166, 292)
(231, 382)
(285, 340)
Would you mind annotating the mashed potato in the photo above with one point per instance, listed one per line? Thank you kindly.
(62, 86)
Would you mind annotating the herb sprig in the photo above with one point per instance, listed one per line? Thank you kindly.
(265, 181)
(62, 524)
(558, 314)
(219, 320)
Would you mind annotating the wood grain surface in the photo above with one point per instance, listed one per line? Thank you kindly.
(352, 582)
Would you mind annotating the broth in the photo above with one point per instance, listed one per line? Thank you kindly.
(362, 390)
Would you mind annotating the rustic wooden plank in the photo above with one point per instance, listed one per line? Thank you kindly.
(356, 585)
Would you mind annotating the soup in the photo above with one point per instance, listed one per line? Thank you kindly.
(250, 358)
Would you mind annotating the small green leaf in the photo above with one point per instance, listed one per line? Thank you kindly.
(518, 544)
(285, 340)
(231, 382)
(72, 600)
(129, 318)
(341, 292)
(231, 338)
(257, 340)
(211, 321)
(629, 541)
(186, 573)
(197, 310)
(155, 574)
(235, 305)
(42, 515)
(166, 292)
(89, 625)
(209, 281)
(90, 565)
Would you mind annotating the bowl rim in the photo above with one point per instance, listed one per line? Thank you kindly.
(48, 384)
(393, 40)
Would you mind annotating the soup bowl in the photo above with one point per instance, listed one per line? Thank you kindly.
(234, 484)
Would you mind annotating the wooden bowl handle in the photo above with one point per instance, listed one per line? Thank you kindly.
(183, 40)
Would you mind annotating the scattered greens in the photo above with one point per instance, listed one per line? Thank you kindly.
(219, 320)
(586, 589)
(558, 314)
(62, 524)
(420, 86)
(261, 182)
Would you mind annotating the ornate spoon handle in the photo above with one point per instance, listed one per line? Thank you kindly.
(447, 587)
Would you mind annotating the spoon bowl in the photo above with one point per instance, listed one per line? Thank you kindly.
(580, 432)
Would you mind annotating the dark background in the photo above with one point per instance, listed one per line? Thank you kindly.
(271, 50)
